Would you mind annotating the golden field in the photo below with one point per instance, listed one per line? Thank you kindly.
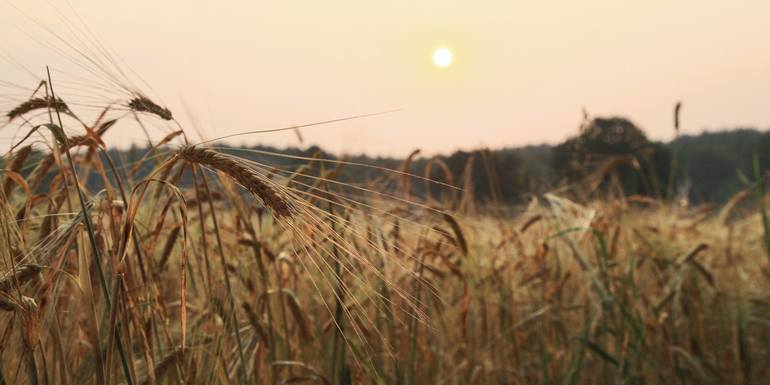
(192, 265)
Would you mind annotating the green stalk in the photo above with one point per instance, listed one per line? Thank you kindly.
(338, 351)
(413, 323)
(231, 298)
(90, 230)
(760, 191)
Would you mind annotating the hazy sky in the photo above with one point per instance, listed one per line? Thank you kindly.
(522, 74)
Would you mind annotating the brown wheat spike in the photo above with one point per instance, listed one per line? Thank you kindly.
(18, 162)
(461, 242)
(255, 323)
(20, 275)
(81, 140)
(172, 360)
(35, 104)
(168, 247)
(48, 160)
(41, 170)
(143, 104)
(242, 174)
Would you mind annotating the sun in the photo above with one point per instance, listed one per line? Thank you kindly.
(442, 57)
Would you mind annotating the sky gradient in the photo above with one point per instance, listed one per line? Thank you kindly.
(522, 73)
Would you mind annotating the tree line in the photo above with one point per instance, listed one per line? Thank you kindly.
(605, 154)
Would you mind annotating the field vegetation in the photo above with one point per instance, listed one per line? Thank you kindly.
(195, 263)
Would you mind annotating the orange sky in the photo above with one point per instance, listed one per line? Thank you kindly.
(523, 70)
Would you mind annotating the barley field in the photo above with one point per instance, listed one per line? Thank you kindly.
(193, 263)
(255, 274)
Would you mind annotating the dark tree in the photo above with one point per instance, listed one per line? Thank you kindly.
(719, 164)
(613, 146)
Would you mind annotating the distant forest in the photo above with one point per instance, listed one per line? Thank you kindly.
(706, 168)
(605, 154)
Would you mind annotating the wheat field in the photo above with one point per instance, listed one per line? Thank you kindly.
(192, 264)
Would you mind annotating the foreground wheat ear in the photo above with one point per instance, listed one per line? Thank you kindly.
(142, 103)
(245, 176)
(36, 104)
